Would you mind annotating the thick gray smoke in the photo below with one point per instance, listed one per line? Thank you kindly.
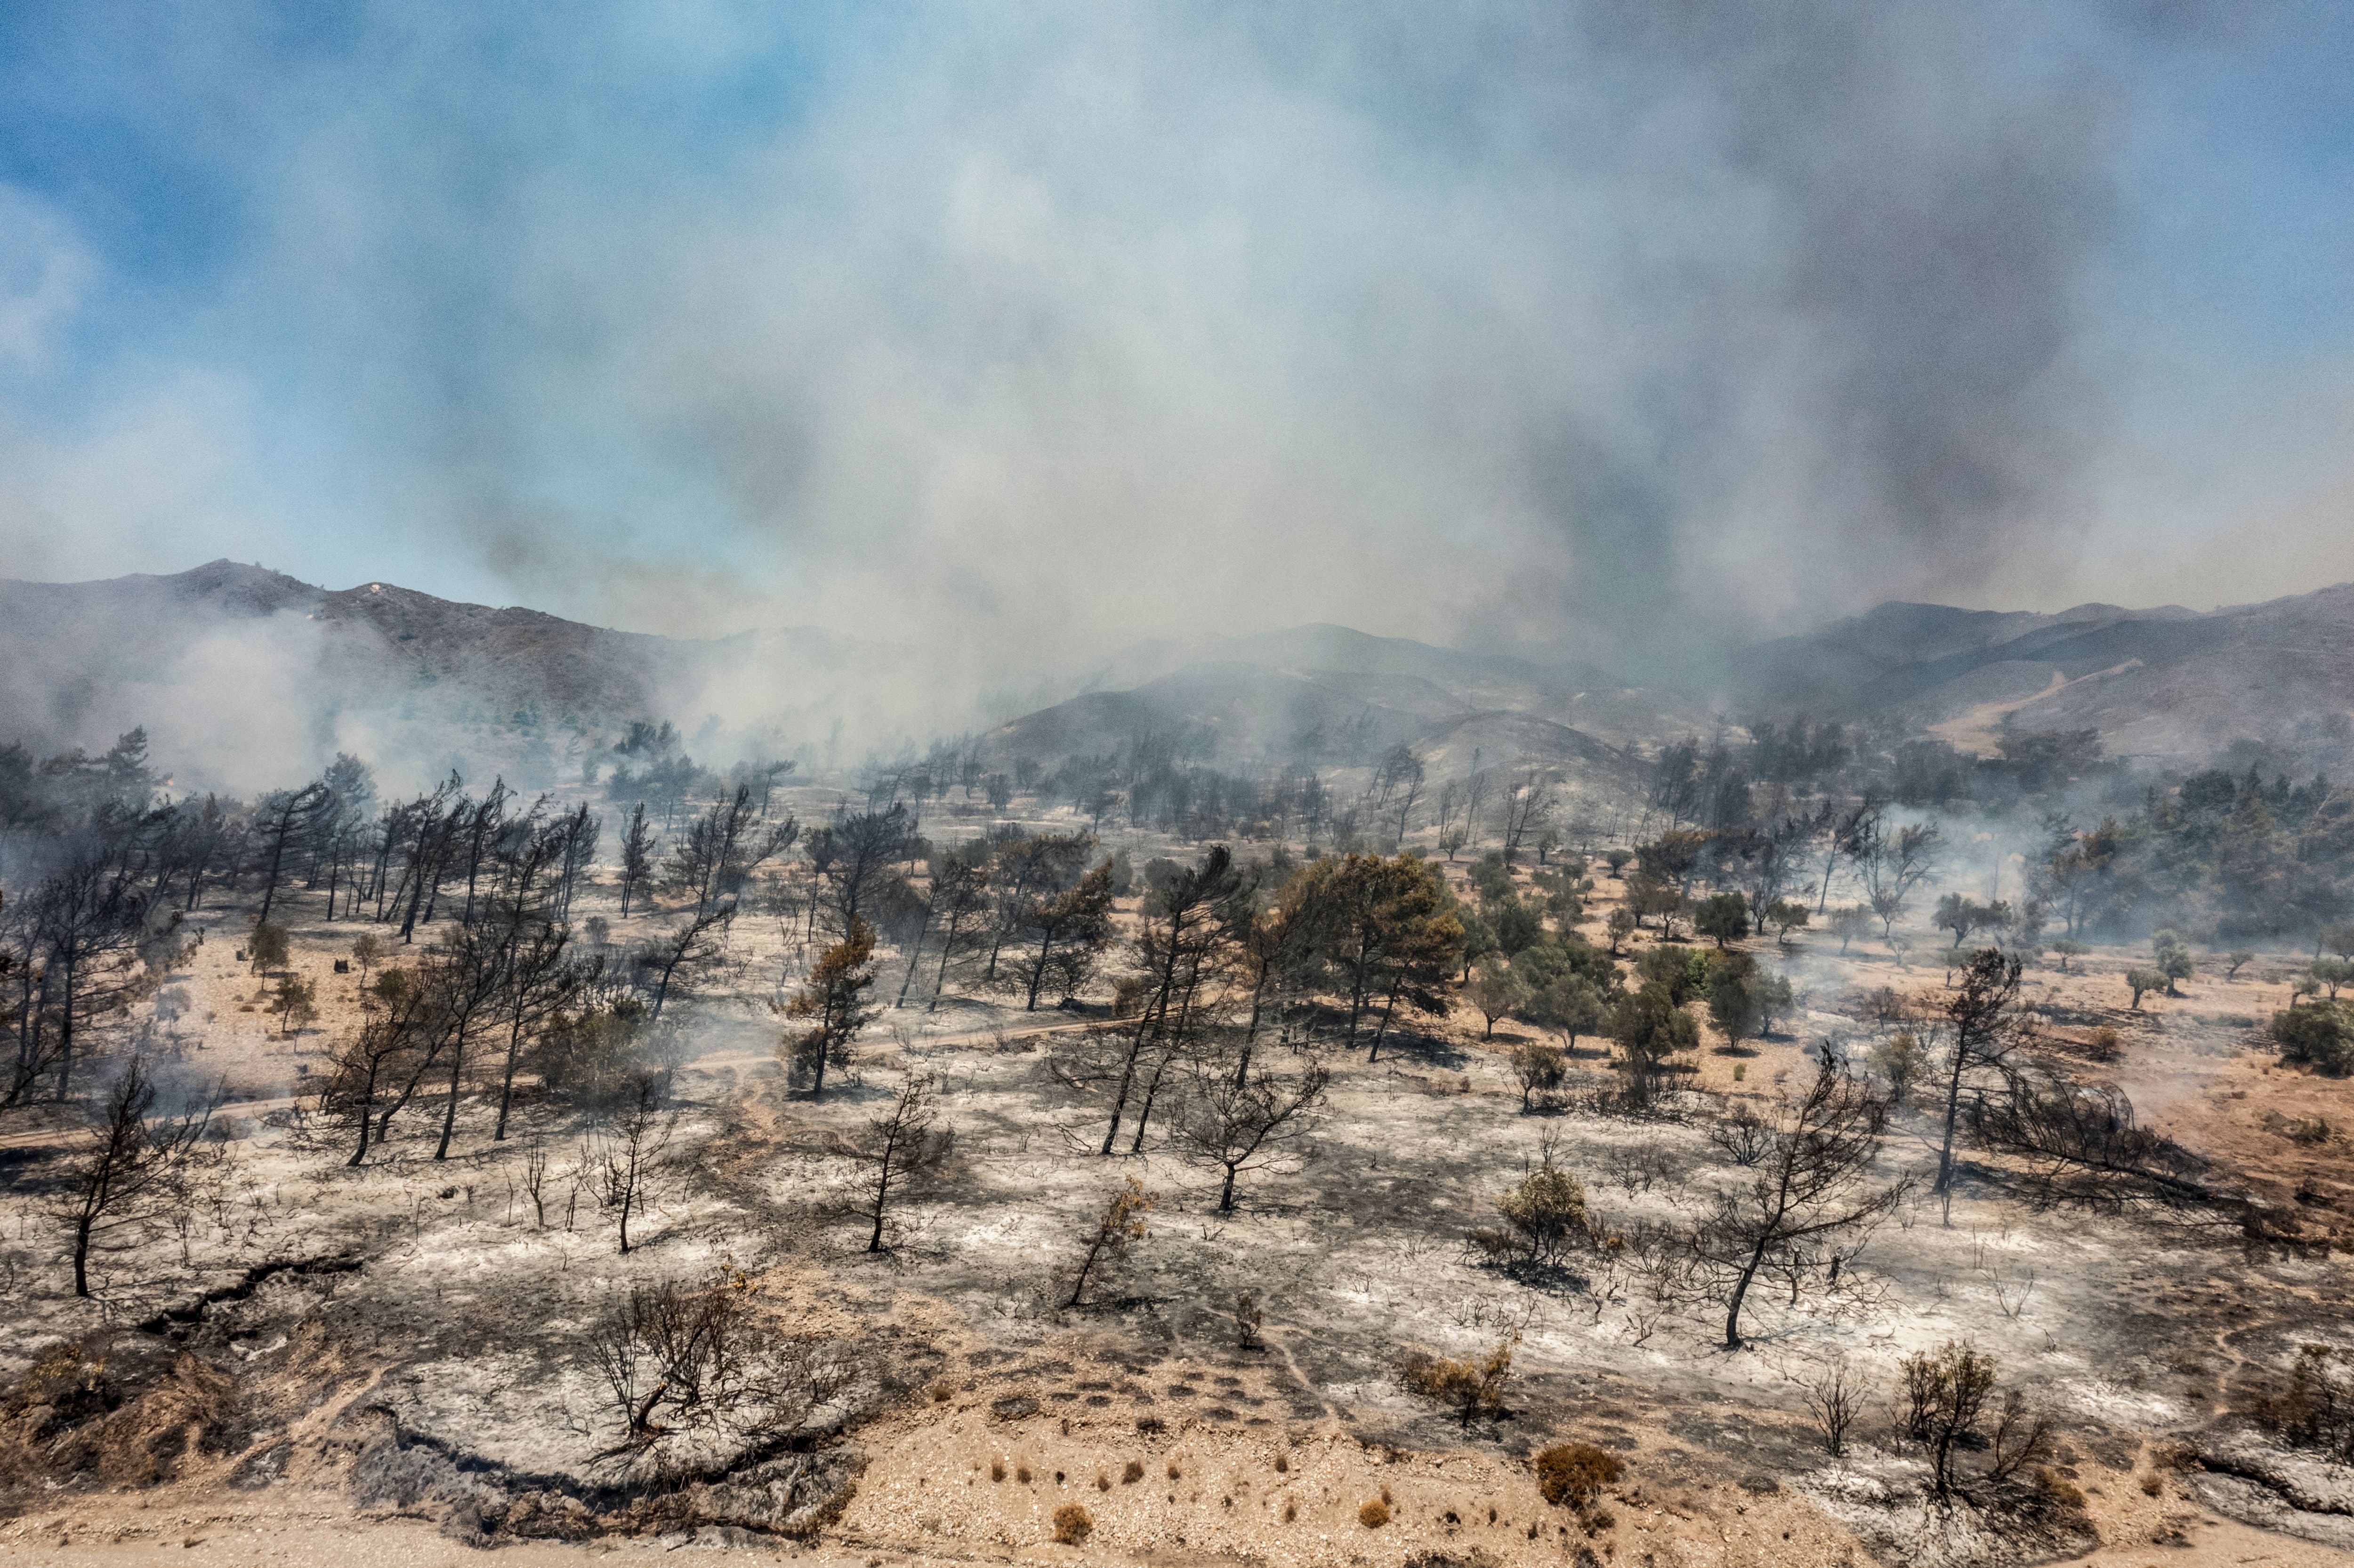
(1622, 329)
(1876, 384)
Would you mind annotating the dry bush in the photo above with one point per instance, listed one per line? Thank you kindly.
(1373, 1514)
(1248, 1317)
(2058, 1489)
(704, 1359)
(1135, 1472)
(1122, 1221)
(1073, 1525)
(997, 1469)
(1471, 1388)
(1744, 1136)
(1834, 1398)
(1573, 1474)
(63, 1389)
(2315, 1410)
(1949, 1395)
(69, 1415)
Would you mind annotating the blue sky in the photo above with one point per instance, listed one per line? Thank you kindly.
(1049, 327)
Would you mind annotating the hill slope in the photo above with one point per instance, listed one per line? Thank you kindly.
(2169, 683)
(245, 677)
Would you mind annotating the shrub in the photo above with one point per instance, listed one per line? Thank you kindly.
(1901, 1061)
(2058, 1488)
(270, 948)
(1723, 916)
(2314, 1033)
(1135, 1472)
(1374, 1514)
(1073, 1525)
(1546, 1215)
(2317, 1409)
(1473, 1387)
(1572, 1475)
(1538, 1067)
(997, 1469)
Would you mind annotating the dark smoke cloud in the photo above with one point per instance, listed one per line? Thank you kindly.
(1626, 329)
(1866, 369)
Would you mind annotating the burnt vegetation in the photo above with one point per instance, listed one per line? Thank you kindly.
(1122, 1045)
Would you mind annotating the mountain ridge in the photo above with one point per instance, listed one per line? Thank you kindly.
(225, 650)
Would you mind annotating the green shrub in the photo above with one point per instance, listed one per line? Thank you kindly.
(1546, 1216)
(2315, 1034)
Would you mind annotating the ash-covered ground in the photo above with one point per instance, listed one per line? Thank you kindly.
(310, 1347)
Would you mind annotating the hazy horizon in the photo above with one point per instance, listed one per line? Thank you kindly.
(1555, 330)
(1242, 634)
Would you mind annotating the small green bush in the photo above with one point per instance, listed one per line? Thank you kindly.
(2314, 1032)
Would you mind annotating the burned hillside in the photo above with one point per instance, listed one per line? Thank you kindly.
(1012, 1153)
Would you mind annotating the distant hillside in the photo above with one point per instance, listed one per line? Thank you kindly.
(75, 649)
(1426, 682)
(244, 676)
(1246, 715)
(2168, 683)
